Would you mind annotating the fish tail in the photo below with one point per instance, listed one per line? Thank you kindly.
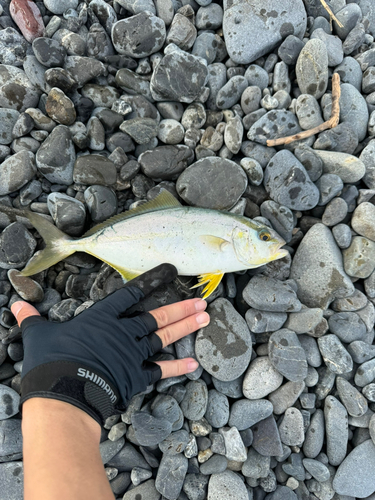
(58, 245)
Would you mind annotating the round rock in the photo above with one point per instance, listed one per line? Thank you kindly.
(261, 379)
(49, 52)
(221, 183)
(226, 485)
(287, 355)
(223, 347)
(312, 68)
(16, 171)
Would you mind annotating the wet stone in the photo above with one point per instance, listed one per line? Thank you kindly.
(60, 108)
(231, 92)
(94, 169)
(16, 171)
(222, 183)
(68, 213)
(350, 72)
(192, 78)
(49, 52)
(164, 162)
(55, 158)
(288, 183)
(64, 310)
(26, 288)
(223, 348)
(17, 246)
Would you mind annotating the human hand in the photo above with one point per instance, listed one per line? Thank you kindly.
(102, 348)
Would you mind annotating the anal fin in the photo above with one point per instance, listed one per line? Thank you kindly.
(211, 280)
(126, 274)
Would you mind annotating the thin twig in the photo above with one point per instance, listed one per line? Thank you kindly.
(331, 123)
(331, 14)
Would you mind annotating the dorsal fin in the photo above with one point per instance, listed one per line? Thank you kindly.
(163, 201)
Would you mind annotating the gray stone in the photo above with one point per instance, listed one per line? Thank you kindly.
(16, 90)
(194, 404)
(350, 72)
(261, 379)
(273, 125)
(317, 289)
(231, 92)
(234, 447)
(175, 443)
(226, 485)
(68, 213)
(26, 288)
(347, 167)
(233, 134)
(336, 422)
(348, 16)
(304, 320)
(84, 69)
(291, 428)
(138, 36)
(170, 476)
(11, 440)
(141, 130)
(342, 138)
(329, 185)
(182, 32)
(312, 68)
(262, 154)
(170, 131)
(164, 162)
(256, 466)
(361, 351)
(192, 78)
(55, 158)
(150, 430)
(263, 321)
(266, 440)
(333, 44)
(318, 470)
(16, 171)
(281, 218)
(205, 46)
(287, 355)
(11, 477)
(288, 183)
(12, 47)
(232, 388)
(285, 396)
(214, 465)
(315, 435)
(144, 490)
(250, 99)
(252, 30)
(355, 404)
(195, 485)
(363, 220)
(101, 202)
(353, 109)
(335, 211)
(108, 449)
(165, 406)
(269, 294)
(128, 458)
(342, 235)
(348, 326)
(335, 356)
(290, 49)
(49, 52)
(245, 413)
(257, 76)
(217, 413)
(355, 475)
(359, 259)
(365, 373)
(17, 246)
(226, 357)
(94, 169)
(139, 475)
(216, 79)
(308, 112)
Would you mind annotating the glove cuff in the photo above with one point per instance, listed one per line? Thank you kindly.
(73, 383)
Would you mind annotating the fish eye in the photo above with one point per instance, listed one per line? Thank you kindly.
(264, 235)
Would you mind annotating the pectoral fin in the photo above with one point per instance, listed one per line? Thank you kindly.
(212, 280)
(214, 242)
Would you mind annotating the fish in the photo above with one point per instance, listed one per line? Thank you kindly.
(197, 241)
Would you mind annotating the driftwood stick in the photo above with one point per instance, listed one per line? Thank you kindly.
(331, 123)
(331, 14)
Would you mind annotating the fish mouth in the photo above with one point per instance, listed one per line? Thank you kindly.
(279, 251)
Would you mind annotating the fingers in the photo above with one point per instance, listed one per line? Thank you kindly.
(177, 367)
(176, 331)
(175, 312)
(22, 310)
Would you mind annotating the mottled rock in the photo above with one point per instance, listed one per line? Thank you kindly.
(16, 171)
(312, 68)
(94, 169)
(28, 18)
(287, 355)
(335, 356)
(269, 294)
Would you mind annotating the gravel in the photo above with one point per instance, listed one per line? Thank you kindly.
(103, 104)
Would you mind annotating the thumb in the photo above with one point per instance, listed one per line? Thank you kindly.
(22, 310)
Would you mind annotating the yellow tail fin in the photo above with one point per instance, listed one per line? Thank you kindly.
(58, 245)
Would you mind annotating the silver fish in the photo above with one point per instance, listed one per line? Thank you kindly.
(197, 241)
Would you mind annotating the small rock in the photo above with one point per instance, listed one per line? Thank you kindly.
(149, 430)
(261, 379)
(68, 213)
(273, 125)
(270, 294)
(359, 259)
(49, 52)
(17, 246)
(291, 428)
(9, 401)
(226, 485)
(28, 18)
(170, 476)
(55, 158)
(234, 447)
(245, 413)
(26, 288)
(287, 355)
(16, 171)
(60, 108)
(355, 404)
(312, 68)
(335, 356)
(94, 169)
(267, 438)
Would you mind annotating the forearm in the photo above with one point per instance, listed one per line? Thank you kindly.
(61, 453)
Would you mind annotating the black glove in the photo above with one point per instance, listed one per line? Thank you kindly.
(98, 360)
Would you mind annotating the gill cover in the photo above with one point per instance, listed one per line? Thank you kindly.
(244, 249)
